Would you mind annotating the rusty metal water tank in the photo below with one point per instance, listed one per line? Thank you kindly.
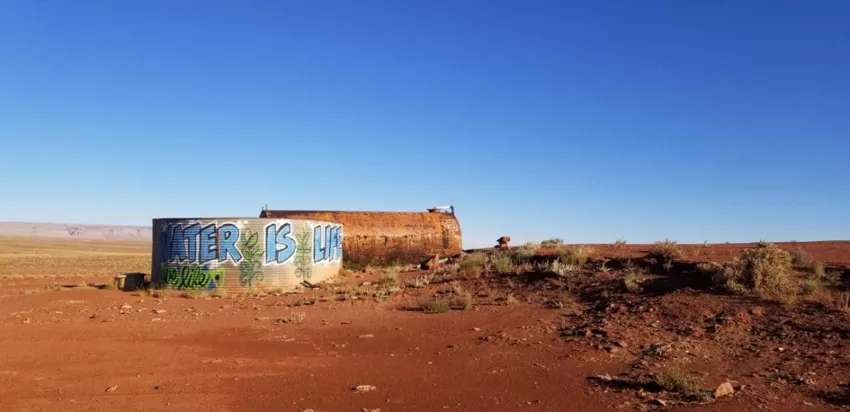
(387, 237)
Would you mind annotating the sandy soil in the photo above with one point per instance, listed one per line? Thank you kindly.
(69, 345)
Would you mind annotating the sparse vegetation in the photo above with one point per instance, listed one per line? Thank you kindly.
(818, 270)
(525, 252)
(293, 317)
(576, 255)
(472, 265)
(620, 243)
(631, 280)
(561, 269)
(554, 242)
(503, 264)
(195, 294)
(833, 276)
(420, 281)
(765, 269)
(811, 286)
(664, 252)
(801, 259)
(437, 305)
(674, 380)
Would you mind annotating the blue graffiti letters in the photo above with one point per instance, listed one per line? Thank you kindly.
(192, 244)
(331, 248)
(228, 236)
(279, 246)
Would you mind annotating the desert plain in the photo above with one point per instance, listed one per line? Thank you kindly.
(535, 327)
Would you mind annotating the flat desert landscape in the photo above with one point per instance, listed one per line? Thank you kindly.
(538, 327)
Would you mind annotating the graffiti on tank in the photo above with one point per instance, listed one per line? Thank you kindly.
(279, 245)
(249, 267)
(327, 246)
(193, 277)
(194, 244)
(303, 269)
(194, 254)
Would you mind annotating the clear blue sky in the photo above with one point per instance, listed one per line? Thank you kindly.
(589, 121)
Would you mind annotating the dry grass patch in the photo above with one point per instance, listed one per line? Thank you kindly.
(293, 317)
(576, 255)
(674, 380)
(801, 259)
(436, 305)
(525, 252)
(472, 266)
(665, 252)
(502, 263)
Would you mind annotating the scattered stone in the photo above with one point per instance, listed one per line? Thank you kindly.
(661, 402)
(308, 410)
(365, 388)
(476, 329)
(724, 389)
(159, 311)
(126, 307)
(366, 284)
(27, 320)
(367, 336)
(611, 349)
(112, 388)
(156, 320)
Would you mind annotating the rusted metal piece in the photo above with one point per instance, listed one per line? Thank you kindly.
(388, 237)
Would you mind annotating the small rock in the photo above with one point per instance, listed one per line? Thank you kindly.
(724, 389)
(112, 388)
(126, 307)
(367, 336)
(365, 388)
(159, 311)
(156, 320)
(661, 402)
(308, 410)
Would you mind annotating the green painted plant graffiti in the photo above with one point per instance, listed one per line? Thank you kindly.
(303, 262)
(249, 267)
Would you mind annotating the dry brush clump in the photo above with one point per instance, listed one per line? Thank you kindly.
(472, 266)
(674, 380)
(764, 270)
(575, 255)
(664, 252)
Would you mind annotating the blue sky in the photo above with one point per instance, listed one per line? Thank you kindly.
(588, 121)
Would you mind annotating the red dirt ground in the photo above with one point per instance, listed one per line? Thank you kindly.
(72, 348)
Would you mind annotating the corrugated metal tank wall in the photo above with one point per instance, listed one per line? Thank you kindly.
(237, 254)
(387, 237)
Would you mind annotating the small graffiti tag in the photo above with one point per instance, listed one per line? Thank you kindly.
(193, 277)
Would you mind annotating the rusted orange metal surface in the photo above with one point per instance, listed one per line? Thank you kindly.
(387, 237)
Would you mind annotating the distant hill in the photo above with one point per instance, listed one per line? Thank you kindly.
(75, 231)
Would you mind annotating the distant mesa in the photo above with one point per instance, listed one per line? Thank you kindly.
(75, 231)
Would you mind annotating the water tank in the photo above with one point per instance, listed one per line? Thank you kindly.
(387, 237)
(240, 254)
